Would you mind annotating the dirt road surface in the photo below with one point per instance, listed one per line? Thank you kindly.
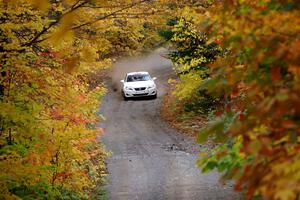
(150, 160)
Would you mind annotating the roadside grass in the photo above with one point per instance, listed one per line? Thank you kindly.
(186, 122)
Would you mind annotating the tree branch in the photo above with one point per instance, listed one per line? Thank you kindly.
(75, 4)
(46, 28)
(108, 15)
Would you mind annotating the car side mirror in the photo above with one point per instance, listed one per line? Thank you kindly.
(154, 78)
(122, 81)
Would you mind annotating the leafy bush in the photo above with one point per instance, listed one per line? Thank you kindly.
(192, 54)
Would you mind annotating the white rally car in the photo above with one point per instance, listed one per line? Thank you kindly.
(138, 84)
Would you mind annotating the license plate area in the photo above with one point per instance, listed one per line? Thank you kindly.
(141, 92)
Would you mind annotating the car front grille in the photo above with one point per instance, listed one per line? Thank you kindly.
(140, 89)
(136, 95)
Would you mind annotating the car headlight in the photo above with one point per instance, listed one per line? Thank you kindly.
(128, 88)
(151, 86)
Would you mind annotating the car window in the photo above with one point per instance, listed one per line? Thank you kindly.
(138, 77)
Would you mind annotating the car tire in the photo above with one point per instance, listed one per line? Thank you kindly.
(124, 97)
(154, 96)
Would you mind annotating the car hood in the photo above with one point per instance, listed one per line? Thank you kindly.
(139, 84)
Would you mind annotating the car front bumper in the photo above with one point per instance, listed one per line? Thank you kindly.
(142, 93)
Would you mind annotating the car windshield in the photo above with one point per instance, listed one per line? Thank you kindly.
(138, 77)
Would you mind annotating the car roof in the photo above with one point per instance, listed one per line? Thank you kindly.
(141, 72)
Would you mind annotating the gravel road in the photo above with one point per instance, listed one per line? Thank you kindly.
(150, 160)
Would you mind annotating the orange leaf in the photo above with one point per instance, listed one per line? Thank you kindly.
(294, 69)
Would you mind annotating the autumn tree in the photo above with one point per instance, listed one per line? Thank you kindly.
(192, 53)
(258, 129)
(48, 111)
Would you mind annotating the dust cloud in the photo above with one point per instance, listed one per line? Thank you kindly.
(152, 63)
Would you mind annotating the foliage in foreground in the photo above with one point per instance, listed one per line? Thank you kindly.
(50, 52)
(258, 126)
(48, 115)
(48, 111)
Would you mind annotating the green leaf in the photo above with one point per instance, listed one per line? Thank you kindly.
(202, 136)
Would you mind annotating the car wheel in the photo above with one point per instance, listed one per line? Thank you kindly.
(124, 97)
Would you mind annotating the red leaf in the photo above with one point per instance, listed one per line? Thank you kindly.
(63, 175)
(234, 93)
(288, 124)
(266, 151)
(263, 8)
(44, 54)
(241, 117)
(275, 73)
(57, 114)
(218, 113)
(218, 41)
(228, 108)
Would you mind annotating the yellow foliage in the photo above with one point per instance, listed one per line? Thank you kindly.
(42, 5)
